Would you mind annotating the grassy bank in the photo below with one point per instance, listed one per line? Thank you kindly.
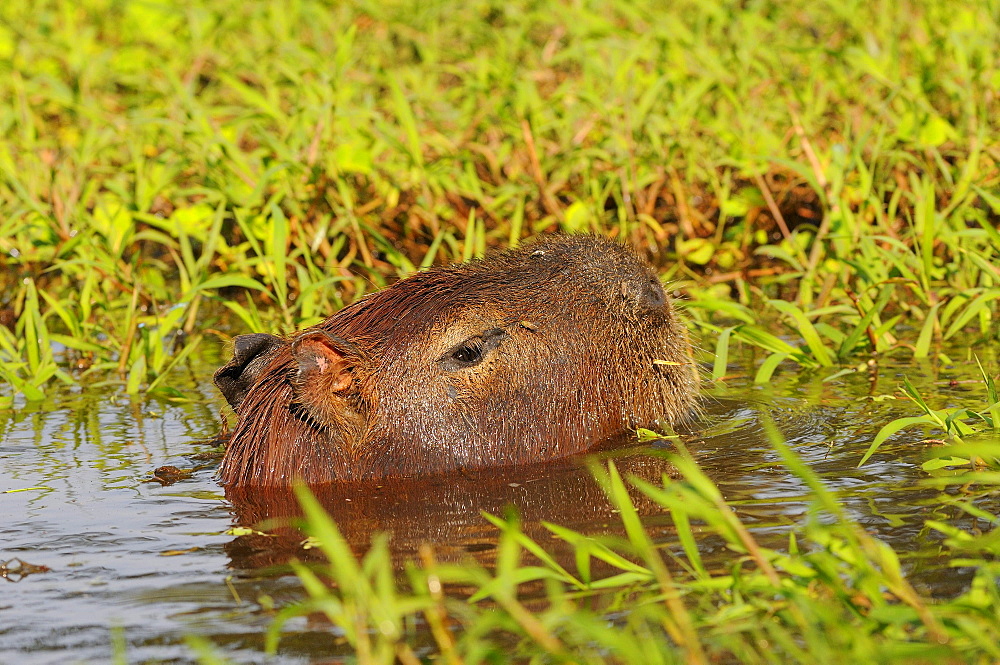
(283, 159)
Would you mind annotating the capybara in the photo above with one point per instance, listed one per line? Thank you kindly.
(531, 354)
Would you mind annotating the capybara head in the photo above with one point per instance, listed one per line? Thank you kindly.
(532, 354)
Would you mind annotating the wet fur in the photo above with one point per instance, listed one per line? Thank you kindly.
(582, 323)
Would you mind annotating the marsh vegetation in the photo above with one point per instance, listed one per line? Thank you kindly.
(817, 182)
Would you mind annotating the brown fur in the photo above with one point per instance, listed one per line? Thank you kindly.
(570, 330)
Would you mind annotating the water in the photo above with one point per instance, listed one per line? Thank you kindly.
(151, 563)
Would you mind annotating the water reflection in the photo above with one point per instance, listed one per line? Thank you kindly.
(444, 511)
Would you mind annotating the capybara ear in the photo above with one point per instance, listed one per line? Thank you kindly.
(324, 375)
(322, 358)
(250, 356)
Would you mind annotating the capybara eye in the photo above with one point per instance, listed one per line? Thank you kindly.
(469, 354)
(472, 351)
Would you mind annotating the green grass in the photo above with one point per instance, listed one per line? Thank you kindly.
(831, 165)
(821, 180)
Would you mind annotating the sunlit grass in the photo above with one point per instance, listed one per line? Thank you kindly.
(831, 166)
(819, 181)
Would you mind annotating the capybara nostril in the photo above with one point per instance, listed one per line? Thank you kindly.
(250, 356)
(530, 354)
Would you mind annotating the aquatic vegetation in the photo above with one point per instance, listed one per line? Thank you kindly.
(833, 591)
(955, 423)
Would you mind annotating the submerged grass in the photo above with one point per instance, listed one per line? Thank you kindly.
(820, 179)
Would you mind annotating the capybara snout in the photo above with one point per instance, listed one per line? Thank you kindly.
(250, 354)
(528, 355)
